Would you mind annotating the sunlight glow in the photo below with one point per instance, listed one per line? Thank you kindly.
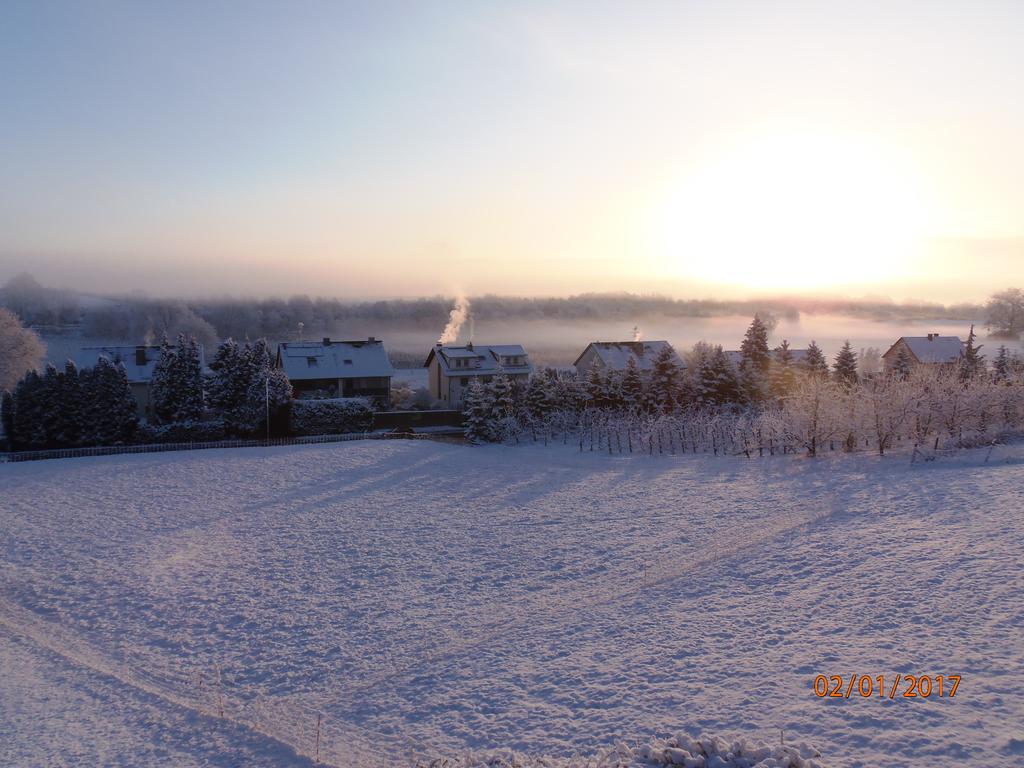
(794, 212)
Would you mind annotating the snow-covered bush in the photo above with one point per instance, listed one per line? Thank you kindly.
(679, 750)
(331, 417)
(924, 409)
(181, 432)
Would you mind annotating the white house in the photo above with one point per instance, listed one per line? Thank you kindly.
(614, 356)
(450, 368)
(328, 368)
(933, 349)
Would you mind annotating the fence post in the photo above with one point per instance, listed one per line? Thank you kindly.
(220, 694)
(316, 758)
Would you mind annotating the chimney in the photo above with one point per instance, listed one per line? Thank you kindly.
(371, 339)
(327, 341)
(469, 345)
(931, 336)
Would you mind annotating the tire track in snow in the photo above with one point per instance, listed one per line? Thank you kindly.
(546, 609)
(349, 746)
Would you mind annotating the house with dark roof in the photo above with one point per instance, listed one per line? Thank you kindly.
(329, 368)
(932, 350)
(450, 368)
(615, 355)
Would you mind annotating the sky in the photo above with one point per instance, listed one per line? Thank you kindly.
(366, 150)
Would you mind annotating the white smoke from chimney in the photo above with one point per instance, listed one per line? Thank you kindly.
(637, 334)
(456, 318)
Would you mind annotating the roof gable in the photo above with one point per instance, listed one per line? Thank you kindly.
(932, 348)
(479, 359)
(138, 360)
(615, 355)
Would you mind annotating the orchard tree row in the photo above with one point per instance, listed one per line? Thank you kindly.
(787, 405)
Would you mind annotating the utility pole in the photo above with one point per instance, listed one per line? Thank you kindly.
(266, 383)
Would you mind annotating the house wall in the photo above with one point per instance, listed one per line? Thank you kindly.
(377, 388)
(457, 385)
(586, 360)
(435, 384)
(312, 387)
(140, 391)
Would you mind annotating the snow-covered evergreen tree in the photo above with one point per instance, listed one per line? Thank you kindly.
(27, 431)
(7, 415)
(176, 386)
(161, 384)
(268, 387)
(632, 389)
(539, 399)
(973, 362)
(228, 386)
(502, 400)
(51, 410)
(712, 380)
(71, 422)
(902, 366)
(110, 416)
(478, 413)
(815, 362)
(613, 390)
(597, 386)
(727, 385)
(1001, 365)
(189, 380)
(845, 368)
(663, 393)
(782, 376)
(755, 361)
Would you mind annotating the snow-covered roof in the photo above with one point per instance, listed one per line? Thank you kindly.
(616, 354)
(138, 360)
(328, 359)
(933, 348)
(481, 359)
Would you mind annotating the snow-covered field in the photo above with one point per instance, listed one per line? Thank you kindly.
(431, 598)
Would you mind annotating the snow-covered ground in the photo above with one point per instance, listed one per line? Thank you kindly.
(427, 599)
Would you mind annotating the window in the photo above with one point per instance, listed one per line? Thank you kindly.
(348, 362)
(312, 362)
(464, 381)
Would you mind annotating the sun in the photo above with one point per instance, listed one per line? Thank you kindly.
(794, 212)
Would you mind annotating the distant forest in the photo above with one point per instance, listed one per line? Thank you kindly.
(134, 319)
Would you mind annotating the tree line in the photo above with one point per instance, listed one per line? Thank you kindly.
(134, 318)
(244, 395)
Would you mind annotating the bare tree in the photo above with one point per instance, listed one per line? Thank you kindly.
(1005, 313)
